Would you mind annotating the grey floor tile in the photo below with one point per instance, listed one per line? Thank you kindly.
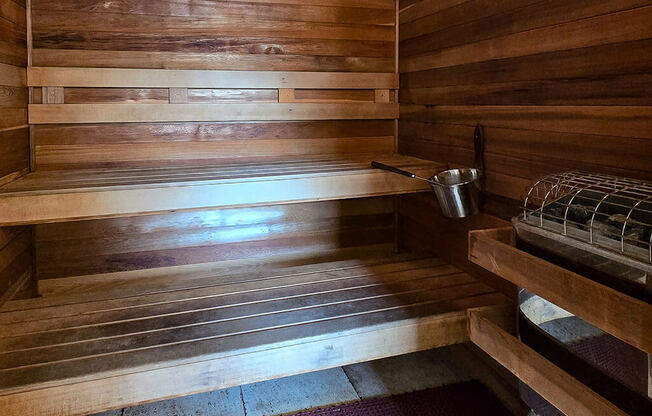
(117, 412)
(292, 394)
(226, 402)
(402, 374)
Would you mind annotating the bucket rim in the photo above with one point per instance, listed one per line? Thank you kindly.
(477, 173)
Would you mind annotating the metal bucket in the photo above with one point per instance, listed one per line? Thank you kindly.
(457, 190)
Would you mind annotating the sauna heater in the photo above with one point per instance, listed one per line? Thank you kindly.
(600, 227)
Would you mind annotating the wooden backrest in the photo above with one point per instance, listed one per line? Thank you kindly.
(106, 118)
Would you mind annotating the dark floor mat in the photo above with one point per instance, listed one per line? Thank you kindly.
(616, 358)
(463, 399)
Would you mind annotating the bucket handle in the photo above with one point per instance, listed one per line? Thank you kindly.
(392, 169)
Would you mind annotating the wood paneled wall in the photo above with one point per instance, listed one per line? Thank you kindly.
(287, 233)
(14, 136)
(311, 35)
(356, 36)
(558, 85)
(15, 243)
(66, 147)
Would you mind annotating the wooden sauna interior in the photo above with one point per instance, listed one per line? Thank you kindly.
(187, 202)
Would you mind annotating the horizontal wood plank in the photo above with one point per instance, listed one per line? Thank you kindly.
(334, 12)
(300, 231)
(89, 146)
(619, 121)
(138, 113)
(208, 61)
(13, 76)
(14, 149)
(624, 26)
(15, 261)
(153, 78)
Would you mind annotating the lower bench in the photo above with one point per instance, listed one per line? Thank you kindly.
(101, 349)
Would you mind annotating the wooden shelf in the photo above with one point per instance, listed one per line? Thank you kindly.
(170, 336)
(56, 196)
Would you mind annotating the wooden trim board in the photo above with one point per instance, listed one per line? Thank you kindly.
(166, 78)
(136, 113)
(555, 385)
(620, 315)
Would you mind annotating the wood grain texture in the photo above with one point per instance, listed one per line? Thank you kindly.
(64, 196)
(156, 78)
(323, 315)
(13, 43)
(16, 252)
(316, 35)
(557, 86)
(208, 61)
(620, 315)
(13, 92)
(555, 385)
(87, 146)
(128, 95)
(15, 243)
(306, 231)
(137, 113)
(14, 150)
(420, 219)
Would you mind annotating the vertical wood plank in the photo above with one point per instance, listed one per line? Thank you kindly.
(382, 96)
(178, 95)
(53, 95)
(286, 95)
(28, 22)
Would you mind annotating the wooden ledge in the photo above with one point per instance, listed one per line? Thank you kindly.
(620, 315)
(42, 197)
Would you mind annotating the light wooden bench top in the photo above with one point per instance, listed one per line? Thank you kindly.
(55, 196)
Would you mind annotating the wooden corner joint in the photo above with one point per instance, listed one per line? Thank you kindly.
(504, 235)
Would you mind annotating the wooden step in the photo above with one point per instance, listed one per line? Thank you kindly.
(42, 197)
(88, 352)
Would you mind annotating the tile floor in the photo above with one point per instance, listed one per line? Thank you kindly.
(385, 377)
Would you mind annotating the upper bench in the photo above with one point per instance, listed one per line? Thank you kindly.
(54, 196)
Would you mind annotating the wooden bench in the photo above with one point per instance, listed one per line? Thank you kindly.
(56, 196)
(143, 338)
